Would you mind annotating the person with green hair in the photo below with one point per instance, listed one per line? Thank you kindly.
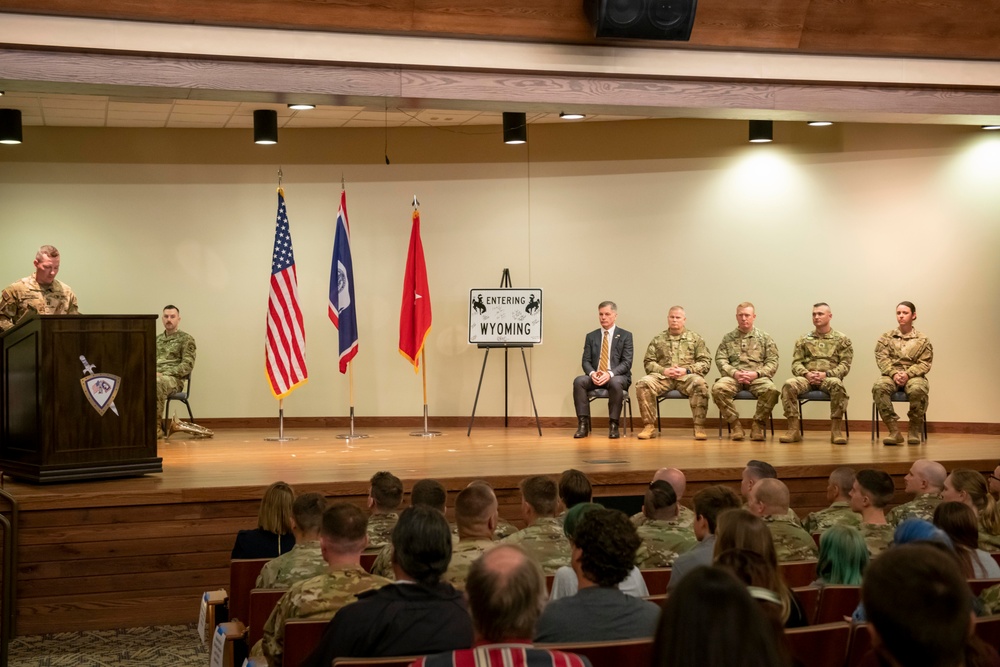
(843, 557)
(565, 582)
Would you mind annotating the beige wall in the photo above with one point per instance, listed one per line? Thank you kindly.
(648, 214)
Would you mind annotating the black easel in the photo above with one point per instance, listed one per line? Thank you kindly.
(504, 282)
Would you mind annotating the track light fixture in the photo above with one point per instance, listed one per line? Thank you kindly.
(10, 126)
(820, 123)
(265, 126)
(571, 116)
(761, 131)
(301, 107)
(995, 126)
(515, 127)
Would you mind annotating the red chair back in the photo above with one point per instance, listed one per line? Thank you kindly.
(242, 578)
(819, 645)
(798, 572)
(836, 602)
(861, 644)
(262, 603)
(808, 597)
(610, 654)
(657, 579)
(301, 638)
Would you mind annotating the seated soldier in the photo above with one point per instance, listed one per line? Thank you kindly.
(769, 500)
(305, 560)
(662, 536)
(384, 498)
(675, 478)
(343, 537)
(427, 492)
(926, 481)
(175, 356)
(543, 536)
(604, 546)
(476, 516)
(872, 491)
(839, 513)
(754, 472)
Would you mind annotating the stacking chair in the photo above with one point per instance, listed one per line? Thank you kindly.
(897, 397)
(601, 392)
(181, 396)
(672, 394)
(742, 395)
(819, 395)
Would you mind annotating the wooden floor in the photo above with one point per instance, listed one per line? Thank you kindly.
(119, 553)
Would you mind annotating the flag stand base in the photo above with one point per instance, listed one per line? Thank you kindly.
(281, 429)
(352, 435)
(425, 433)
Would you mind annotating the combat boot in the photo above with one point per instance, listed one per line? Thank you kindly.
(793, 434)
(648, 431)
(757, 431)
(613, 429)
(895, 437)
(836, 436)
(583, 429)
(736, 431)
(699, 429)
(913, 432)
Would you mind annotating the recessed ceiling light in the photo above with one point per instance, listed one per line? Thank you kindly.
(991, 127)
(301, 107)
(572, 116)
(819, 123)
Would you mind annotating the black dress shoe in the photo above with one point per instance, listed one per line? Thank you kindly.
(583, 430)
(613, 429)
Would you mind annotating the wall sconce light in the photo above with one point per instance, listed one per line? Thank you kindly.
(301, 107)
(515, 127)
(571, 116)
(10, 126)
(819, 123)
(991, 127)
(265, 126)
(761, 131)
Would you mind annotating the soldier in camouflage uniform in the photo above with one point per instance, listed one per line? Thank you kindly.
(319, 598)
(872, 491)
(476, 516)
(675, 359)
(754, 472)
(822, 359)
(385, 495)
(747, 358)
(839, 513)
(677, 481)
(175, 356)
(663, 537)
(543, 538)
(429, 492)
(769, 500)
(305, 560)
(990, 599)
(904, 357)
(926, 481)
(39, 293)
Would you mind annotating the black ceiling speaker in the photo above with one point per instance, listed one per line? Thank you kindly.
(642, 19)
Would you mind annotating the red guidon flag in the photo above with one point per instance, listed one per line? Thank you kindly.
(415, 312)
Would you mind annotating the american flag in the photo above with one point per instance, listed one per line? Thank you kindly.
(285, 350)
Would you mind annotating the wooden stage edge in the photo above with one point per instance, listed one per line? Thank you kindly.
(140, 551)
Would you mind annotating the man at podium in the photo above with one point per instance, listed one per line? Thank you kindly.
(175, 355)
(40, 292)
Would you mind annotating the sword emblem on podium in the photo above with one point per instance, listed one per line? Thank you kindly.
(99, 388)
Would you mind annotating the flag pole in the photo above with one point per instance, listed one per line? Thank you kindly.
(425, 433)
(352, 435)
(281, 425)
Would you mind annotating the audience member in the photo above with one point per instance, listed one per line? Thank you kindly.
(543, 536)
(565, 582)
(676, 479)
(752, 474)
(843, 557)
(305, 560)
(420, 614)
(384, 497)
(920, 611)
(708, 504)
(574, 488)
(711, 621)
(738, 529)
(343, 536)
(769, 500)
(663, 537)
(925, 480)
(839, 513)
(872, 491)
(995, 483)
(969, 487)
(765, 585)
(273, 534)
(959, 522)
(476, 516)
(604, 546)
(428, 492)
(504, 527)
(506, 591)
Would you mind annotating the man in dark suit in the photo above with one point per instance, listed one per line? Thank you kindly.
(607, 362)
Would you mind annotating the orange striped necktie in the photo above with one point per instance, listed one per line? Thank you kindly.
(602, 366)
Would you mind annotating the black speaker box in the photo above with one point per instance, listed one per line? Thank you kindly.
(642, 19)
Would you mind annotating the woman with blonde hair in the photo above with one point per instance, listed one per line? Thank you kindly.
(273, 534)
(969, 487)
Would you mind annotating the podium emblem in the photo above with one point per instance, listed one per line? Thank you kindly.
(99, 388)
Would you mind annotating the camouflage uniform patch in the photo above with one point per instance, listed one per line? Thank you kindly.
(754, 351)
(504, 529)
(383, 562)
(878, 537)
(831, 353)
(987, 540)
(545, 541)
(921, 507)
(175, 357)
(318, 598)
(662, 543)
(791, 541)
(465, 553)
(685, 517)
(304, 561)
(686, 350)
(380, 530)
(990, 599)
(912, 354)
(837, 514)
(27, 296)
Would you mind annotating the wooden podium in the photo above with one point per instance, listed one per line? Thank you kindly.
(55, 428)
